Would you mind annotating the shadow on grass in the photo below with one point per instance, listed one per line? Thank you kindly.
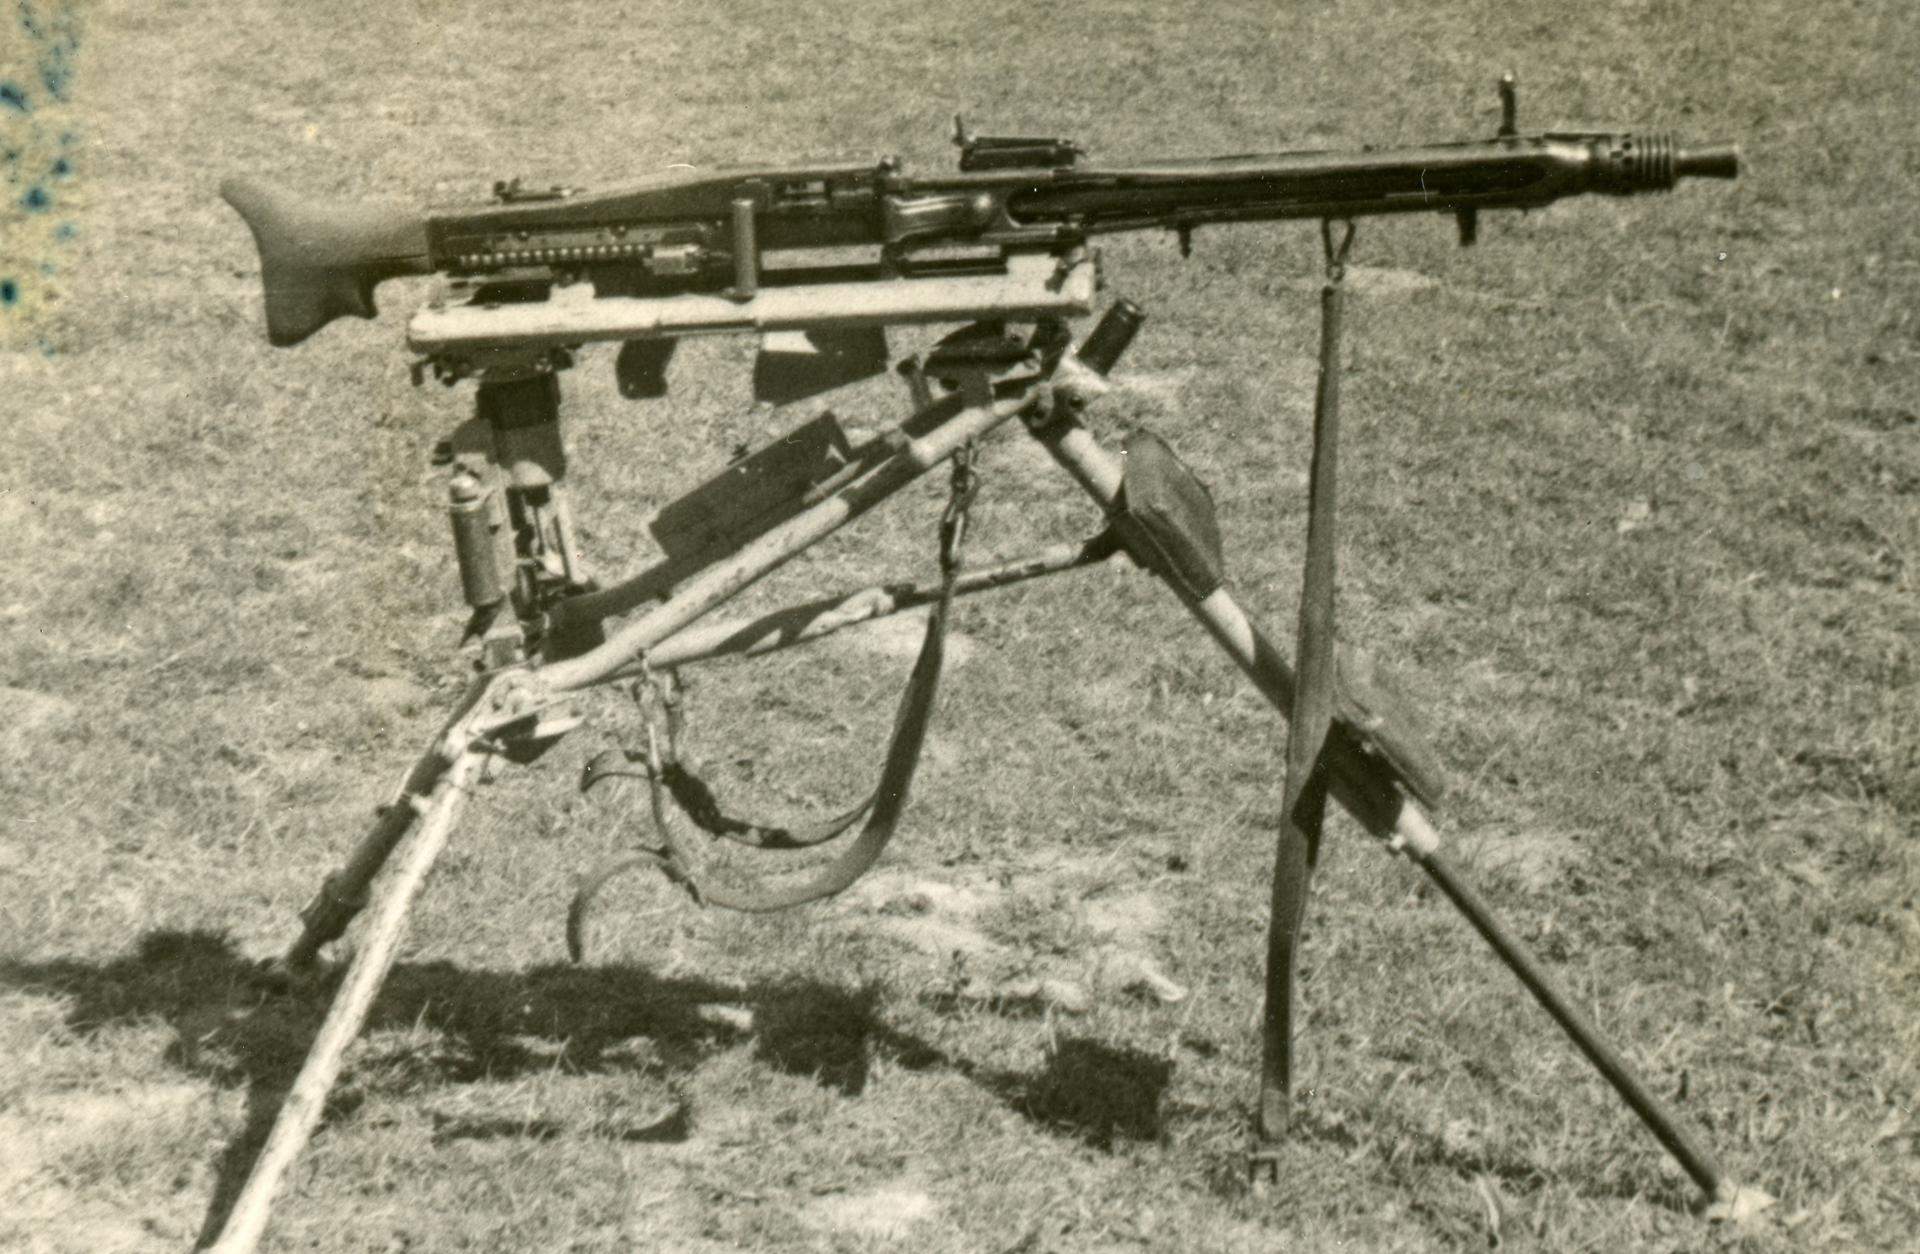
(1096, 1092)
(237, 1029)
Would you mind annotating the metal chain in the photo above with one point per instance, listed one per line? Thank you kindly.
(964, 485)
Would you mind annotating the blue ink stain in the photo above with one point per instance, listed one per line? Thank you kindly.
(63, 232)
(59, 40)
(9, 292)
(46, 266)
(13, 97)
(47, 347)
(61, 168)
(35, 198)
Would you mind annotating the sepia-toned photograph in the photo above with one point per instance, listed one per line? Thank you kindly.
(967, 628)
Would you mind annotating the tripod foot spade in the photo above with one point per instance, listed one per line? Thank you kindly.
(1263, 1165)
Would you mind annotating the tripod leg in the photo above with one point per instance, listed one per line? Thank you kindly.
(1686, 1148)
(1298, 848)
(301, 1111)
(343, 894)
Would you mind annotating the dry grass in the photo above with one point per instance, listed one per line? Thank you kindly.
(1631, 499)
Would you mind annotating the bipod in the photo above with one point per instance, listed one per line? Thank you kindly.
(1310, 770)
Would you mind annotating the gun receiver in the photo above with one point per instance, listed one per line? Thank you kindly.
(723, 231)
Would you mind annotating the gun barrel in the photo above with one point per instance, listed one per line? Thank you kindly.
(1510, 173)
(1708, 161)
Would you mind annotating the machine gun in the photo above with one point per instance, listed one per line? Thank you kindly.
(838, 252)
(733, 230)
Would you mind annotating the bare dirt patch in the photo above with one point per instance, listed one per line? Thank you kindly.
(901, 635)
(1102, 947)
(887, 1214)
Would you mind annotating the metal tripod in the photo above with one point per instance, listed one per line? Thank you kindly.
(520, 703)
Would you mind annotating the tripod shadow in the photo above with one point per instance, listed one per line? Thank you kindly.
(236, 1030)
